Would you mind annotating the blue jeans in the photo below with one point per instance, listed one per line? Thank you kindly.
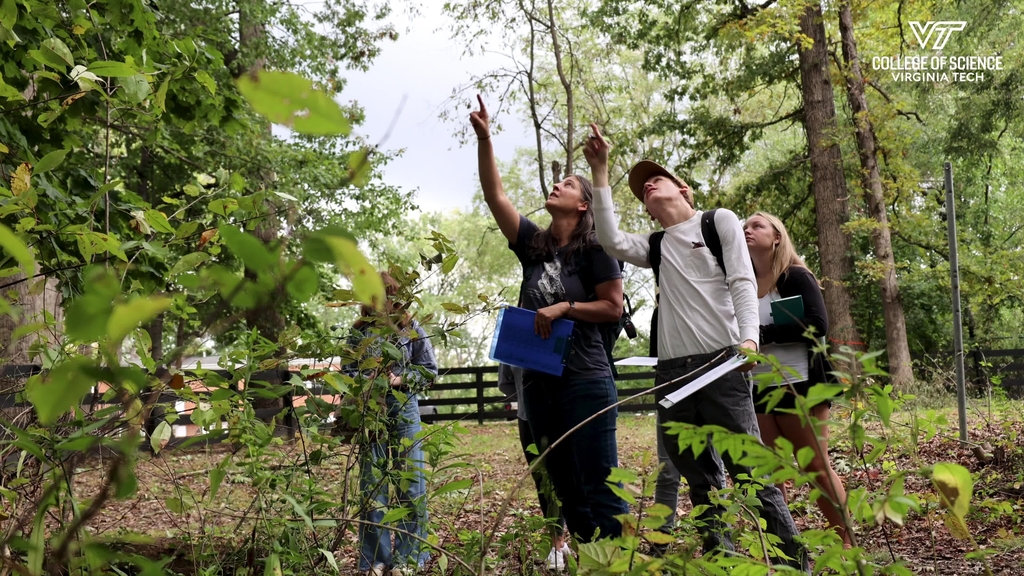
(580, 465)
(385, 463)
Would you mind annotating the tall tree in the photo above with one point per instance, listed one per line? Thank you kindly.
(828, 182)
(900, 367)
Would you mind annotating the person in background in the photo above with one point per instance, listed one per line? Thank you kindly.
(566, 274)
(392, 456)
(781, 273)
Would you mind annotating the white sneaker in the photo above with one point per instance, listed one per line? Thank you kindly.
(377, 570)
(557, 558)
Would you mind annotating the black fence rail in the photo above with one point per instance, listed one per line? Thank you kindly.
(471, 394)
(457, 394)
(983, 368)
(476, 396)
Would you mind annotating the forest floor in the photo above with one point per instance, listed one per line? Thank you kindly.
(173, 497)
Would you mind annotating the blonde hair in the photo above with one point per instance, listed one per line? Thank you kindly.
(784, 255)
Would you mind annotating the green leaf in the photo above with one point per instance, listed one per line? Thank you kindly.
(15, 248)
(598, 555)
(186, 229)
(621, 493)
(207, 81)
(329, 556)
(395, 514)
(161, 436)
(47, 57)
(136, 88)
(189, 262)
(621, 475)
(249, 249)
(659, 511)
(9, 13)
(359, 167)
(449, 263)
(273, 566)
(130, 315)
(303, 283)
(59, 49)
(216, 477)
(112, 69)
(341, 248)
(175, 505)
(158, 220)
(656, 537)
(7, 35)
(54, 393)
(126, 483)
(454, 486)
(289, 99)
(50, 161)
(955, 487)
(160, 100)
(223, 206)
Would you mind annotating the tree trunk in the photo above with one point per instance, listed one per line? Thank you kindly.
(265, 318)
(900, 369)
(827, 182)
(570, 104)
(32, 304)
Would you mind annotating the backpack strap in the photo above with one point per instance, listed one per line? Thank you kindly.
(654, 253)
(711, 239)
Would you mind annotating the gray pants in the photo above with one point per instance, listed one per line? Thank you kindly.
(726, 402)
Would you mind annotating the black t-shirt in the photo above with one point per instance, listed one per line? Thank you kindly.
(547, 283)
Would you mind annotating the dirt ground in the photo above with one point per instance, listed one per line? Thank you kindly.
(495, 464)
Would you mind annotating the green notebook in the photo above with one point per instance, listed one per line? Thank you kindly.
(788, 310)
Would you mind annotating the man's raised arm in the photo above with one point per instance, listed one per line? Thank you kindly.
(632, 248)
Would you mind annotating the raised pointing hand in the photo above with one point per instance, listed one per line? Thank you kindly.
(596, 148)
(481, 120)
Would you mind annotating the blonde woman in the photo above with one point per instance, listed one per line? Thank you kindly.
(781, 274)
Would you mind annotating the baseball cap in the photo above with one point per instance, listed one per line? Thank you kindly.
(642, 171)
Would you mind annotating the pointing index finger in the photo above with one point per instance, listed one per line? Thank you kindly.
(480, 99)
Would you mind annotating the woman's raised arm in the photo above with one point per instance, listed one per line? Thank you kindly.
(505, 214)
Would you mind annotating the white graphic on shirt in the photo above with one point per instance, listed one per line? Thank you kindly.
(550, 283)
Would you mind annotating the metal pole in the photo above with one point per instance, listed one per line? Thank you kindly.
(954, 281)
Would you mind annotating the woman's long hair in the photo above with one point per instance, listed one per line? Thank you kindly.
(543, 244)
(784, 255)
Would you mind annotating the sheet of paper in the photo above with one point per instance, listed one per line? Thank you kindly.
(712, 375)
(638, 361)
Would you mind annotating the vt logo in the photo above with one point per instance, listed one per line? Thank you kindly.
(941, 30)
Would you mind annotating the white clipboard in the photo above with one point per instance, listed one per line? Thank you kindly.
(712, 375)
(638, 361)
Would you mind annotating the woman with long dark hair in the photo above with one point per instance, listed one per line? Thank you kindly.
(566, 274)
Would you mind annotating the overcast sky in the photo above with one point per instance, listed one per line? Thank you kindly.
(425, 65)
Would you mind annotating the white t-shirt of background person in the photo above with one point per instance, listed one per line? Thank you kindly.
(790, 354)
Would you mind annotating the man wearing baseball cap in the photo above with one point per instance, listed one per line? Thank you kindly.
(703, 312)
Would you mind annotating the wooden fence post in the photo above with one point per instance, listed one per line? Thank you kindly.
(480, 397)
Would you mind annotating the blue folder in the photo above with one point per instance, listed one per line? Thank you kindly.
(515, 343)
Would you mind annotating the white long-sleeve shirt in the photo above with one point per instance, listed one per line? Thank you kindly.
(697, 315)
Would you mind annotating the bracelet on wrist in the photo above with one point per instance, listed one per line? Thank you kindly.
(488, 137)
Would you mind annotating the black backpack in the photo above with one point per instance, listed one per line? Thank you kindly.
(713, 243)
